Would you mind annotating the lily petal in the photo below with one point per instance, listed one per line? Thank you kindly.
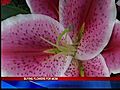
(98, 29)
(112, 51)
(115, 38)
(73, 69)
(33, 65)
(22, 47)
(72, 14)
(46, 7)
(96, 67)
(112, 58)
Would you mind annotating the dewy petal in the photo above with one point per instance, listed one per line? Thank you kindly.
(112, 51)
(98, 29)
(72, 14)
(95, 67)
(73, 69)
(47, 7)
(22, 47)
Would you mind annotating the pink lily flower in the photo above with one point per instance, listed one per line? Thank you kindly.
(33, 45)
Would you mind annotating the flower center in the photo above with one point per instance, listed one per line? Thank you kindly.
(66, 49)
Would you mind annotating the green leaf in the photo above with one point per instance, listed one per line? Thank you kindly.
(12, 9)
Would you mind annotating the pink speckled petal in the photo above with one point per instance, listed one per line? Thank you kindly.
(112, 58)
(33, 65)
(72, 14)
(22, 47)
(112, 51)
(73, 69)
(46, 7)
(98, 29)
(95, 67)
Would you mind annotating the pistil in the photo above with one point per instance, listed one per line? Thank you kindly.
(64, 48)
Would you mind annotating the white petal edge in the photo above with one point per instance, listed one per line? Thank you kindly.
(28, 3)
(69, 59)
(105, 68)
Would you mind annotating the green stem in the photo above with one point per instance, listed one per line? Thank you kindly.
(81, 32)
(61, 35)
(81, 70)
(49, 42)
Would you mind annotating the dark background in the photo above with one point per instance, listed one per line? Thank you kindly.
(118, 11)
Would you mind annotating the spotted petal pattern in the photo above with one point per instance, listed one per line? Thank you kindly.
(96, 67)
(72, 15)
(98, 29)
(112, 51)
(22, 47)
(46, 7)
